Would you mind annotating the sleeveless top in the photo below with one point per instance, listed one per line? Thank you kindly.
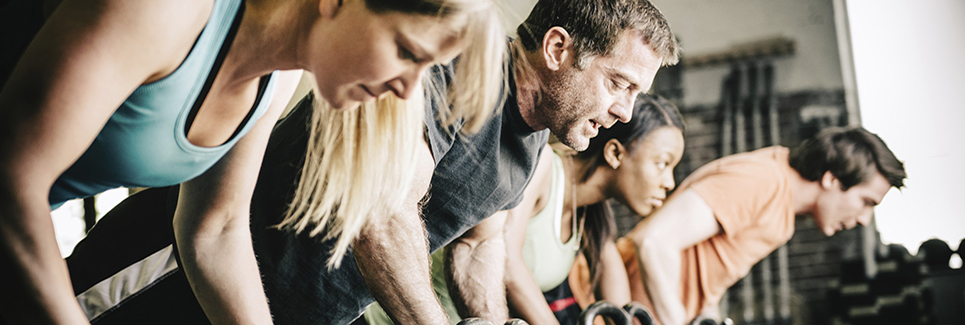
(546, 255)
(144, 144)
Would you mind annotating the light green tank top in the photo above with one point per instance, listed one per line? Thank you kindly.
(546, 255)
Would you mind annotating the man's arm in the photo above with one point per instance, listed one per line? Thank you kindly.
(393, 256)
(712, 311)
(475, 264)
(683, 222)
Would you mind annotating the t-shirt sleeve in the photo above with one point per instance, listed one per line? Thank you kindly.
(521, 174)
(513, 203)
(439, 136)
(738, 193)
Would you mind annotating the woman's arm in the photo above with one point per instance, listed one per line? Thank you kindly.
(211, 224)
(88, 57)
(614, 285)
(683, 222)
(522, 292)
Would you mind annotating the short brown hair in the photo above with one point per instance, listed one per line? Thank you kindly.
(596, 26)
(850, 154)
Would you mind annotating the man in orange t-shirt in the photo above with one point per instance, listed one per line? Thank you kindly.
(731, 213)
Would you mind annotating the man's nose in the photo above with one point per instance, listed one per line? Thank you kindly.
(623, 110)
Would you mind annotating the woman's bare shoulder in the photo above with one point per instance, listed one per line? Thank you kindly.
(153, 33)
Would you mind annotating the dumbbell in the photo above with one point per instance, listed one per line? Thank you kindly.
(474, 321)
(639, 312)
(480, 321)
(607, 310)
(701, 320)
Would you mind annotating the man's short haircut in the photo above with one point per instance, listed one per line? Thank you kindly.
(597, 25)
(851, 155)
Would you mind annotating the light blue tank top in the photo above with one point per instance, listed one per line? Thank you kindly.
(144, 144)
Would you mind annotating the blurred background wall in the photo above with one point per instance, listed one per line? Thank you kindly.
(910, 68)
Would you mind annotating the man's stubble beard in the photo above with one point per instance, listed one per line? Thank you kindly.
(562, 108)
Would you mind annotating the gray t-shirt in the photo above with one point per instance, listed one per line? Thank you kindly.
(478, 175)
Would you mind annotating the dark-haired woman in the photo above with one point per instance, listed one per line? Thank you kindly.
(565, 210)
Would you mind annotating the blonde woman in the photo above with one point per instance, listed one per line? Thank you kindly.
(152, 93)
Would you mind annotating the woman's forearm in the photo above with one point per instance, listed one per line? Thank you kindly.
(220, 265)
(524, 296)
(35, 288)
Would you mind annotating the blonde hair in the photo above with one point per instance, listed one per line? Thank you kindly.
(475, 90)
(359, 163)
(479, 85)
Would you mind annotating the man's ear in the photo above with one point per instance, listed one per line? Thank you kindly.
(829, 181)
(329, 8)
(557, 48)
(614, 152)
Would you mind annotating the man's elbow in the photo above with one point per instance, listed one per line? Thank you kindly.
(653, 247)
(487, 232)
(388, 232)
(402, 222)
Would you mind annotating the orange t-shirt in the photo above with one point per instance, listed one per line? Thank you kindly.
(750, 195)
